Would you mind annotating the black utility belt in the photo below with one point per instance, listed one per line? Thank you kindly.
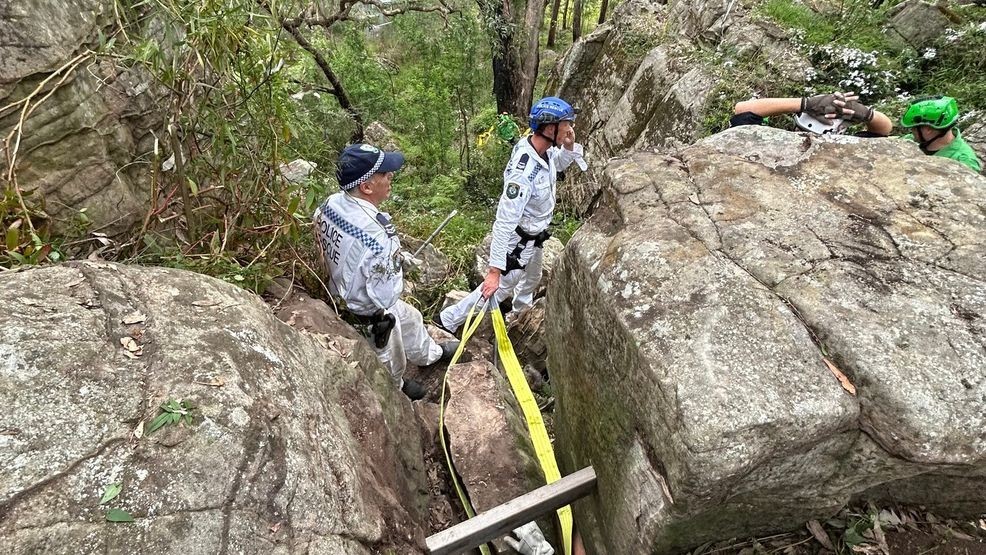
(513, 258)
(361, 320)
(375, 327)
(538, 238)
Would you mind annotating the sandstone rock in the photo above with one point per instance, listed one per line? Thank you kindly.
(293, 448)
(527, 336)
(79, 145)
(916, 23)
(975, 134)
(640, 85)
(705, 296)
(481, 256)
(433, 270)
(297, 171)
(490, 446)
(314, 316)
(379, 135)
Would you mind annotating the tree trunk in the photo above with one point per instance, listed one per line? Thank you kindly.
(602, 12)
(564, 17)
(576, 20)
(554, 22)
(517, 26)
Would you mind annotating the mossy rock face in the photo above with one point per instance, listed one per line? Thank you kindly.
(701, 319)
(293, 447)
(643, 80)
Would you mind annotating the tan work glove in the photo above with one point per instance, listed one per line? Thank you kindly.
(820, 106)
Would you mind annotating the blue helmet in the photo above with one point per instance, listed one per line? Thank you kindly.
(550, 109)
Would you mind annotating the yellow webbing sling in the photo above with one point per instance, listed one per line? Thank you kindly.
(535, 424)
(468, 328)
(532, 415)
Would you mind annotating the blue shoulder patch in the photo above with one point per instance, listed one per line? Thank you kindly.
(522, 163)
(388, 226)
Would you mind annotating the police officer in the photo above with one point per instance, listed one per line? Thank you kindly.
(525, 210)
(362, 254)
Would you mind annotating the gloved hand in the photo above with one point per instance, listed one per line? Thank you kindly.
(530, 541)
(821, 106)
(854, 110)
(410, 264)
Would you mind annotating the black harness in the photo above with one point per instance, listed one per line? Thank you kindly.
(513, 258)
(376, 327)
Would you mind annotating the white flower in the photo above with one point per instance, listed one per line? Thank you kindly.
(929, 54)
(952, 36)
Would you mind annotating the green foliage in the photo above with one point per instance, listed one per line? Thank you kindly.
(742, 76)
(958, 67)
(26, 239)
(118, 515)
(564, 226)
(419, 207)
(848, 50)
(172, 412)
(243, 104)
(816, 28)
(110, 493)
(269, 104)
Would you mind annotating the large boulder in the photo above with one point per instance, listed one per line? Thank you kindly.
(749, 334)
(79, 145)
(293, 447)
(641, 83)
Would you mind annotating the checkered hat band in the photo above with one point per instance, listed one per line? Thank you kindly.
(365, 176)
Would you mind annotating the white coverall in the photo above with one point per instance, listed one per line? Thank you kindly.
(361, 252)
(528, 201)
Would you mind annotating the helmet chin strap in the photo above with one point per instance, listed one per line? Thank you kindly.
(553, 137)
(923, 145)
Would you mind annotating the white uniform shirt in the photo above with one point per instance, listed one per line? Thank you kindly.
(361, 251)
(528, 198)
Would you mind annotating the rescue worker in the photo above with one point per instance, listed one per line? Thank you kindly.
(506, 129)
(822, 114)
(525, 210)
(362, 254)
(932, 124)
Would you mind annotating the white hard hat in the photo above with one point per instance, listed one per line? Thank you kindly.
(820, 126)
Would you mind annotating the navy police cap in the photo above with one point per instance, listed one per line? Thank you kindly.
(358, 162)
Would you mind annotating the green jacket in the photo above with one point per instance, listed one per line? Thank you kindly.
(506, 129)
(957, 150)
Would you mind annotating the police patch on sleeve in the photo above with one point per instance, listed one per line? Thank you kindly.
(512, 191)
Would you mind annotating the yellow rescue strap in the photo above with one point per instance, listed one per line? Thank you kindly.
(532, 414)
(535, 424)
(468, 328)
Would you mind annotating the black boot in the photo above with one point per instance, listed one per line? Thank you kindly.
(413, 390)
(448, 349)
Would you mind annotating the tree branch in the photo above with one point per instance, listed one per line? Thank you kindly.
(337, 89)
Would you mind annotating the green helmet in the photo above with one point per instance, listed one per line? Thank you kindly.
(940, 112)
